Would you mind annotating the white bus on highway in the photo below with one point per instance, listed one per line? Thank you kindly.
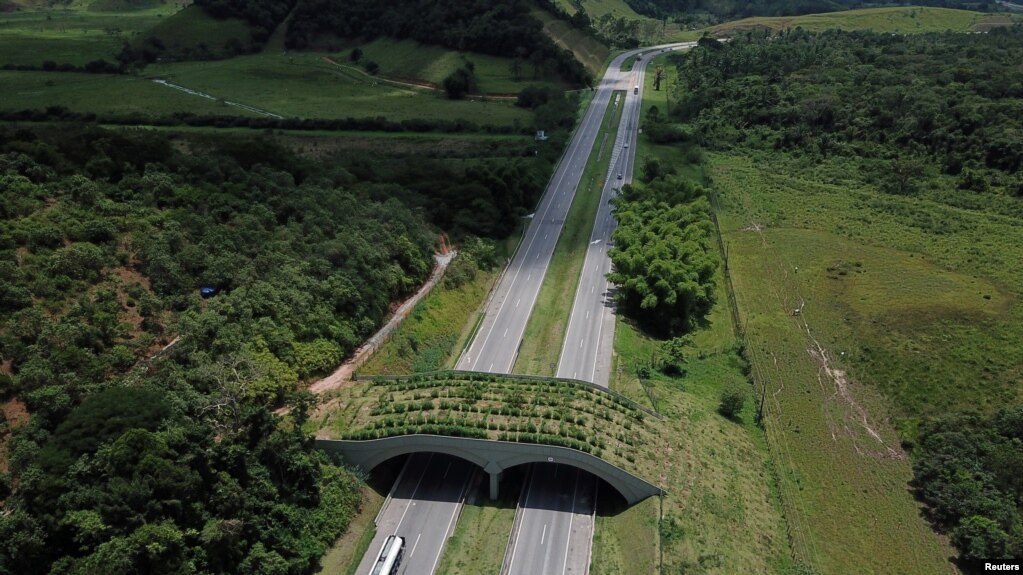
(390, 556)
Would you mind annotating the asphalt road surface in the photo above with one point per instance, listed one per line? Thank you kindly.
(496, 345)
(553, 532)
(554, 522)
(589, 339)
(422, 508)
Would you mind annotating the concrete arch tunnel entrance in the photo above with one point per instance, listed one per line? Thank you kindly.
(493, 456)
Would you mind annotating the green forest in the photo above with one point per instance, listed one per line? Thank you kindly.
(720, 11)
(934, 117)
(664, 257)
(150, 447)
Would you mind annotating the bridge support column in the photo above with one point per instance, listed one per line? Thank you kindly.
(495, 479)
(495, 471)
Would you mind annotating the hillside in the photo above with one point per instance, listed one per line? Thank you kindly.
(894, 20)
(716, 12)
(496, 28)
(106, 238)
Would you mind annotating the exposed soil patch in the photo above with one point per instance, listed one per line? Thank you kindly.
(855, 416)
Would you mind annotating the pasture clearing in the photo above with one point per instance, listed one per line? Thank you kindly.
(73, 35)
(102, 94)
(903, 313)
(411, 61)
(305, 85)
(591, 52)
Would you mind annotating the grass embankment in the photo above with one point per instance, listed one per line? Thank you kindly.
(72, 35)
(904, 296)
(428, 339)
(721, 513)
(545, 331)
(900, 20)
(477, 546)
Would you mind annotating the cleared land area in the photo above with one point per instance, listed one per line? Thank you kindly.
(587, 49)
(597, 8)
(410, 60)
(73, 35)
(192, 29)
(102, 94)
(304, 85)
(885, 310)
(294, 86)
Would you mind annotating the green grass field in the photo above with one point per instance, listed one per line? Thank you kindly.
(74, 35)
(895, 20)
(410, 60)
(294, 85)
(101, 94)
(722, 512)
(304, 85)
(192, 28)
(545, 331)
(910, 310)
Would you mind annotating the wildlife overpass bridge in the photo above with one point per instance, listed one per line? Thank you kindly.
(497, 422)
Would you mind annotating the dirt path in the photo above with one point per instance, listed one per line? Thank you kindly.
(366, 350)
(252, 109)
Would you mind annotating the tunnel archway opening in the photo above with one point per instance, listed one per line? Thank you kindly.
(494, 457)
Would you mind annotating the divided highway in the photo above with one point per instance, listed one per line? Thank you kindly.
(422, 507)
(547, 538)
(554, 523)
(496, 345)
(589, 339)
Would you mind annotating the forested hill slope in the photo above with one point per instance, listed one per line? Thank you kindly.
(722, 11)
(496, 27)
(176, 465)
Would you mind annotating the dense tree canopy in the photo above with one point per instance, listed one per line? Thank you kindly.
(969, 470)
(174, 464)
(905, 106)
(719, 10)
(663, 255)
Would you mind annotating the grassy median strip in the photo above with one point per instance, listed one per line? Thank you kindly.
(477, 546)
(545, 331)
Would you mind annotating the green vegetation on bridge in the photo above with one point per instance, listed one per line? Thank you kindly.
(561, 413)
